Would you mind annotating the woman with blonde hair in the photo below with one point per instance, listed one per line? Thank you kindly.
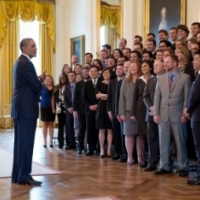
(125, 106)
(65, 69)
(184, 65)
(182, 55)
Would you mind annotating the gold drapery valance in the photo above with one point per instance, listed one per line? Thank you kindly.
(27, 11)
(110, 17)
(39, 1)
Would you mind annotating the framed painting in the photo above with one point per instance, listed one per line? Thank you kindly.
(163, 15)
(78, 47)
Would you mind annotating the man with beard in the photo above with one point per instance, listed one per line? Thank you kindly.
(170, 100)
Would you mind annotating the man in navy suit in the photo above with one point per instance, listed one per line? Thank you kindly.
(24, 111)
(193, 112)
(68, 98)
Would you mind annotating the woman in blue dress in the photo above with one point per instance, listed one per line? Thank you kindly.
(47, 116)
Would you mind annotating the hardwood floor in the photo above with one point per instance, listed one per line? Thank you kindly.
(87, 177)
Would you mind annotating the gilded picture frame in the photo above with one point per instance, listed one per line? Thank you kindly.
(173, 10)
(77, 45)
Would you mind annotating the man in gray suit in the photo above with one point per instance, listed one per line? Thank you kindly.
(170, 99)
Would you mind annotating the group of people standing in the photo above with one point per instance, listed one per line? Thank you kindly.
(135, 101)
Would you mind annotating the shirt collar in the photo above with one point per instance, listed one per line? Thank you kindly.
(95, 79)
(120, 78)
(72, 84)
(142, 77)
(26, 56)
(174, 73)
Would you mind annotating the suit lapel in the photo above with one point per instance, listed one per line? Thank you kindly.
(154, 82)
(178, 75)
(166, 82)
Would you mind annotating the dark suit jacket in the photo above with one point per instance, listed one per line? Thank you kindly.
(193, 105)
(26, 90)
(148, 96)
(189, 69)
(113, 96)
(89, 96)
(138, 103)
(68, 97)
(77, 103)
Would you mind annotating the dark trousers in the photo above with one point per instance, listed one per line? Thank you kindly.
(61, 129)
(81, 130)
(92, 132)
(124, 152)
(117, 136)
(196, 136)
(70, 129)
(153, 143)
(24, 135)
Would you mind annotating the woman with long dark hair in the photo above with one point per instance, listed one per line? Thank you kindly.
(103, 122)
(58, 107)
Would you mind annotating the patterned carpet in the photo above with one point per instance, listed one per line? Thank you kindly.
(6, 160)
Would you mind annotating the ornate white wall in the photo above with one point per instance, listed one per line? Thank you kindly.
(78, 17)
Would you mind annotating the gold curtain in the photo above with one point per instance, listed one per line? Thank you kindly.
(110, 17)
(29, 10)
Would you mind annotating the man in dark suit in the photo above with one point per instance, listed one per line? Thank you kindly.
(152, 127)
(24, 111)
(68, 99)
(112, 108)
(79, 109)
(90, 101)
(112, 65)
(193, 112)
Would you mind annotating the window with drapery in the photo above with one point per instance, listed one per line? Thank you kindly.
(111, 23)
(27, 10)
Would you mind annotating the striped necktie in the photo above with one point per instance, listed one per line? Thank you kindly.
(171, 80)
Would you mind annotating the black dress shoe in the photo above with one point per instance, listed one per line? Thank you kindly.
(142, 165)
(161, 171)
(149, 168)
(123, 159)
(79, 152)
(89, 153)
(14, 181)
(194, 181)
(70, 147)
(115, 157)
(30, 182)
(182, 173)
(51, 145)
(44, 146)
(32, 179)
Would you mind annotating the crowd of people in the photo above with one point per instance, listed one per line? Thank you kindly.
(129, 102)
